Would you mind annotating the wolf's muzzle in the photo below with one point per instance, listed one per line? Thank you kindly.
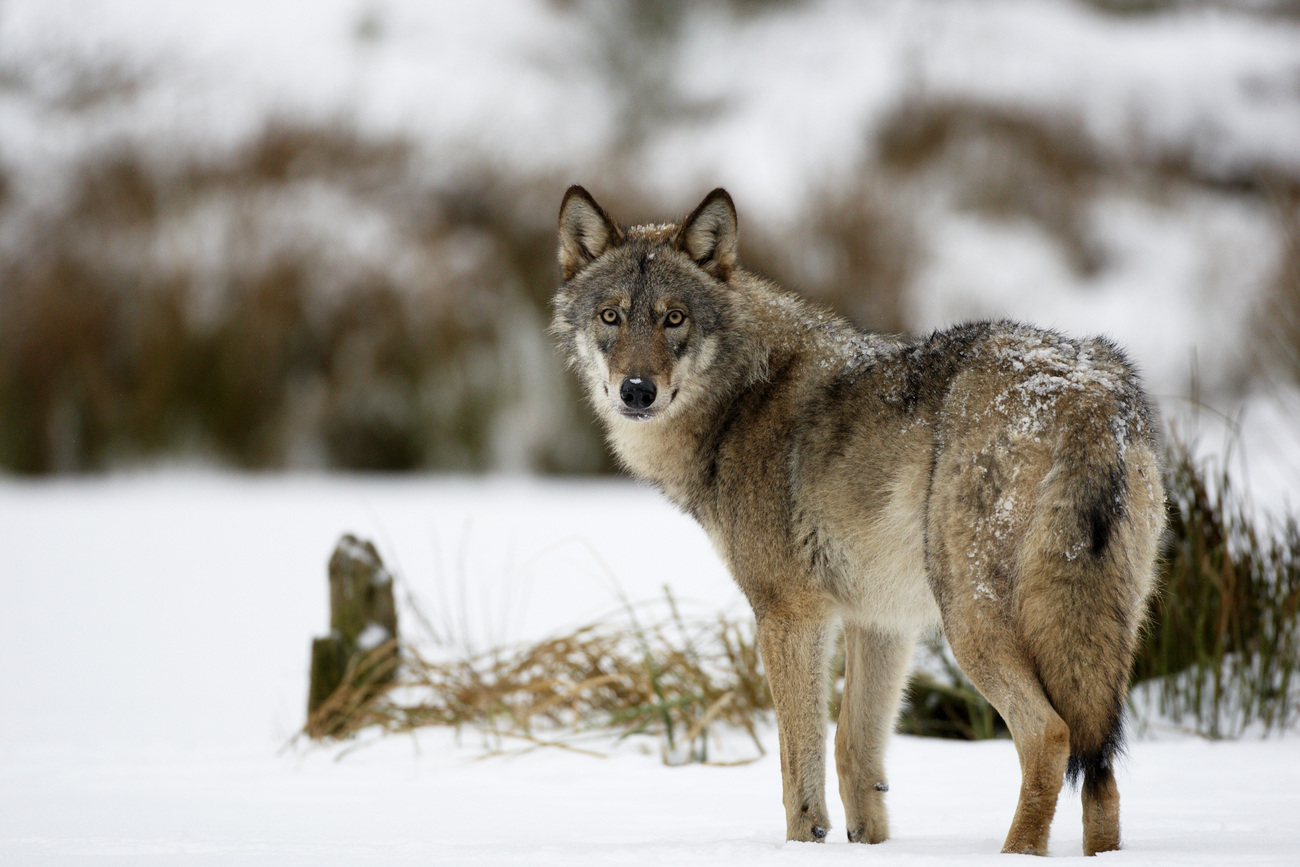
(637, 393)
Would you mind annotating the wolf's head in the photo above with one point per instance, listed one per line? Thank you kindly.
(642, 312)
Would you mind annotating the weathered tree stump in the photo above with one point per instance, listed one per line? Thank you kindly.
(360, 651)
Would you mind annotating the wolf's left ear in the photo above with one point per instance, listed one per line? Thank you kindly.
(586, 231)
(708, 235)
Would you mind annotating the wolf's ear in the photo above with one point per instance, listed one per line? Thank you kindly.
(708, 235)
(586, 231)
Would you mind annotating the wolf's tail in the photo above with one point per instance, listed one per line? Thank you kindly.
(1083, 585)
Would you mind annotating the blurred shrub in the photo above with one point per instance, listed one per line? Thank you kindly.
(857, 249)
(314, 297)
(1279, 321)
(1279, 8)
(309, 300)
(1019, 164)
(1003, 164)
(1222, 649)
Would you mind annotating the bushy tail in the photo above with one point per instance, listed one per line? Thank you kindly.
(1081, 598)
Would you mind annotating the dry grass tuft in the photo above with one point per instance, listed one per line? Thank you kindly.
(675, 679)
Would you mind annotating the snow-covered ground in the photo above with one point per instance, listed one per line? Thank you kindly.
(155, 636)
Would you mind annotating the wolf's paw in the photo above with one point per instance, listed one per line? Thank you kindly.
(867, 819)
(1093, 847)
(811, 834)
(809, 826)
(868, 833)
(873, 828)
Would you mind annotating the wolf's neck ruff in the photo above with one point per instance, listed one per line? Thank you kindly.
(1000, 478)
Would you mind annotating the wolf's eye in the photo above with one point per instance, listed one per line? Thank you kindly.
(609, 316)
(674, 318)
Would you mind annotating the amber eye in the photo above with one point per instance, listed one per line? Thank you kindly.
(609, 316)
(674, 318)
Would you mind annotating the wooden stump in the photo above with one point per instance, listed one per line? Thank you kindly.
(360, 651)
(329, 663)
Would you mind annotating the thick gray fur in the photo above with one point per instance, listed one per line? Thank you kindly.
(1000, 479)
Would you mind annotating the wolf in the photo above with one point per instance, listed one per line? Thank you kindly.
(998, 479)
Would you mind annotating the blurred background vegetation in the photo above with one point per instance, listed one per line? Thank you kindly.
(326, 293)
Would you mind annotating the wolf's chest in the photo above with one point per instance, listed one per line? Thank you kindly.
(658, 453)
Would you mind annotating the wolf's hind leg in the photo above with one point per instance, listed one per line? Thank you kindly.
(792, 640)
(875, 669)
(1100, 811)
(993, 660)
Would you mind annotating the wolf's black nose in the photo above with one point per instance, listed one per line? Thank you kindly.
(637, 393)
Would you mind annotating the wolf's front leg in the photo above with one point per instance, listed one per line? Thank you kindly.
(792, 637)
(875, 670)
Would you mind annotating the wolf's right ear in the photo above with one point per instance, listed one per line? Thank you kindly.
(586, 231)
(708, 235)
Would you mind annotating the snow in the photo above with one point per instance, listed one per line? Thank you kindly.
(372, 636)
(156, 633)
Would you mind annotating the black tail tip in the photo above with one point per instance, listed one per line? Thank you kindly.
(1098, 765)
